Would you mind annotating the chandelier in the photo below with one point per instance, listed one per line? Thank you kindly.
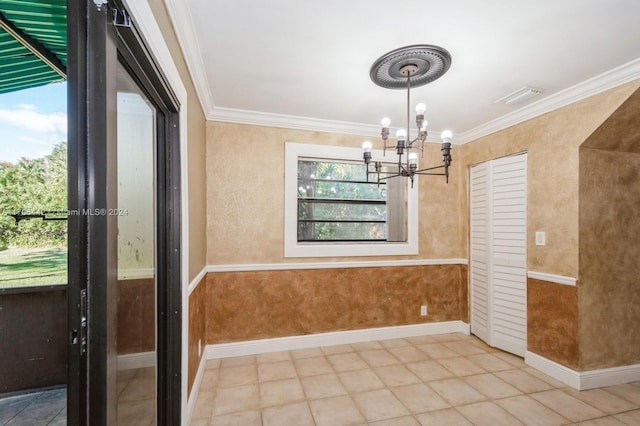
(410, 66)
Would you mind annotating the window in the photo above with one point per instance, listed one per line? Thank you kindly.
(331, 209)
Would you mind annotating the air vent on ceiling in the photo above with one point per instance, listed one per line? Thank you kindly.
(519, 96)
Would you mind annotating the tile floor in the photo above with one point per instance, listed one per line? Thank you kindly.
(450, 379)
(136, 403)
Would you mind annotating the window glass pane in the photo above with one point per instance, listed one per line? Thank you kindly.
(342, 211)
(333, 231)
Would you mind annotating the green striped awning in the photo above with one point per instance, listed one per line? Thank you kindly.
(33, 43)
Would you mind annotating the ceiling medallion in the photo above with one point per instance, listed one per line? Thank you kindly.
(407, 67)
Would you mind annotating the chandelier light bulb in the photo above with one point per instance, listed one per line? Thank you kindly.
(385, 122)
(401, 134)
(421, 108)
(446, 136)
(366, 146)
(413, 158)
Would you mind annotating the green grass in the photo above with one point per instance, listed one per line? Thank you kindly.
(28, 267)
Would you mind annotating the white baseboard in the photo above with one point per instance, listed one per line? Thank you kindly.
(583, 380)
(195, 390)
(253, 347)
(137, 360)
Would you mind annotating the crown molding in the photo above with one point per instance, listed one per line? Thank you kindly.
(257, 118)
(598, 84)
(181, 18)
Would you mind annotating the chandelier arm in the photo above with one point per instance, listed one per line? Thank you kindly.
(430, 168)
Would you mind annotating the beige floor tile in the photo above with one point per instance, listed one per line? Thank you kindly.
(336, 411)
(238, 360)
(487, 413)
(276, 371)
(379, 357)
(280, 392)
(531, 412)
(209, 380)
(464, 348)
(514, 360)
(361, 381)
(449, 337)
(540, 375)
(448, 417)
(367, 346)
(604, 401)
(490, 362)
(524, 381)
(456, 391)
(567, 406)
(213, 363)
(408, 354)
(379, 405)
(437, 350)
(306, 353)
(236, 399)
(194, 422)
(291, 414)
(603, 421)
(237, 376)
(419, 398)
(629, 418)
(429, 370)
(395, 343)
(203, 406)
(398, 421)
(244, 418)
(461, 366)
(273, 357)
(337, 349)
(629, 392)
(347, 362)
(420, 340)
(322, 386)
(313, 366)
(396, 375)
(491, 386)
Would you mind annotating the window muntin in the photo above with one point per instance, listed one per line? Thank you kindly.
(405, 241)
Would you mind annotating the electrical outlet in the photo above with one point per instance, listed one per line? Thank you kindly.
(423, 310)
(199, 347)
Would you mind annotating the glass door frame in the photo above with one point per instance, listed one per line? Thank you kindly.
(95, 46)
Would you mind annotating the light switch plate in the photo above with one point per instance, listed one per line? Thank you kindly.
(541, 238)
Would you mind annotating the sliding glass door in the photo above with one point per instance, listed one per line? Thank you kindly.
(124, 253)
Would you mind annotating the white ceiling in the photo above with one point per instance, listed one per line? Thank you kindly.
(305, 64)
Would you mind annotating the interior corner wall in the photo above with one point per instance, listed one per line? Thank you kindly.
(609, 292)
(553, 144)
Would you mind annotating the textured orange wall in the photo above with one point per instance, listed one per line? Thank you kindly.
(552, 141)
(266, 304)
(609, 258)
(245, 196)
(197, 330)
(552, 321)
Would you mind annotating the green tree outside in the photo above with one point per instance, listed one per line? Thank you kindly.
(34, 185)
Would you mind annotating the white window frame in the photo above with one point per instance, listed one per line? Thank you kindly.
(293, 248)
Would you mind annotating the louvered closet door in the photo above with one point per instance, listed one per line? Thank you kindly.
(479, 230)
(509, 253)
(498, 202)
